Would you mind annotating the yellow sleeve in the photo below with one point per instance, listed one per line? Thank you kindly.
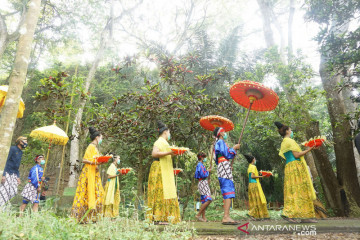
(111, 170)
(288, 144)
(158, 144)
(251, 169)
(90, 153)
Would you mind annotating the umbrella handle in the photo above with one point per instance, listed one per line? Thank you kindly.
(211, 159)
(242, 131)
(47, 158)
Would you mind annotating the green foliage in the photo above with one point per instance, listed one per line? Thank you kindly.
(338, 42)
(47, 225)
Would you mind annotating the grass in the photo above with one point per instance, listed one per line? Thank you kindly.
(217, 214)
(47, 225)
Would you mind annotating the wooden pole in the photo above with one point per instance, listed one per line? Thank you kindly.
(46, 161)
(66, 131)
(242, 131)
(211, 160)
(47, 158)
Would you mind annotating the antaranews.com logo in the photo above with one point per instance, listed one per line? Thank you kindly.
(299, 229)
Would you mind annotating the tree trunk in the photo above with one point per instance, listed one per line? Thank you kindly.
(310, 161)
(268, 33)
(140, 178)
(3, 36)
(74, 146)
(357, 162)
(351, 107)
(327, 176)
(17, 80)
(344, 151)
(290, 27)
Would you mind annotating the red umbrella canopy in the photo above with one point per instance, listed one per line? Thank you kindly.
(213, 121)
(263, 98)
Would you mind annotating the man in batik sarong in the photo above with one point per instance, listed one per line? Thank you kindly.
(32, 189)
(201, 174)
(224, 171)
(11, 176)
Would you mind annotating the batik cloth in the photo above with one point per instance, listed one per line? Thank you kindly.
(9, 189)
(160, 209)
(223, 154)
(89, 192)
(112, 193)
(201, 174)
(29, 192)
(298, 189)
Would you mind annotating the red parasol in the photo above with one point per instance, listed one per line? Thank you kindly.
(210, 123)
(253, 96)
(213, 121)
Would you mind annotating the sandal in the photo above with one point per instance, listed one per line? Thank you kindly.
(161, 223)
(251, 217)
(200, 219)
(308, 220)
(290, 220)
(230, 223)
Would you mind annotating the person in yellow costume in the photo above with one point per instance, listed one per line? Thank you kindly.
(162, 198)
(257, 200)
(112, 190)
(89, 197)
(299, 192)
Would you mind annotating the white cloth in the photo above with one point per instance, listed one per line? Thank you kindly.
(9, 189)
(30, 193)
(204, 188)
(224, 170)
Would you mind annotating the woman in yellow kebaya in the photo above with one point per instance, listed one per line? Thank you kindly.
(299, 192)
(162, 198)
(112, 190)
(89, 192)
(257, 200)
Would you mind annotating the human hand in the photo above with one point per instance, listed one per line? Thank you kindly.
(39, 189)
(236, 147)
(19, 181)
(311, 148)
(3, 179)
(42, 178)
(171, 153)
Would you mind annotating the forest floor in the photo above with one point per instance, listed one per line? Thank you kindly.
(321, 236)
(332, 228)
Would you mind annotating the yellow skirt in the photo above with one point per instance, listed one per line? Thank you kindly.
(112, 210)
(80, 204)
(297, 192)
(256, 208)
(162, 210)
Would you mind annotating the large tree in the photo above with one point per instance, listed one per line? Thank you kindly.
(336, 17)
(105, 39)
(327, 177)
(17, 79)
